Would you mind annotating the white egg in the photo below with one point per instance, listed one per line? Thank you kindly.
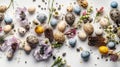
(31, 9)
(61, 26)
(22, 31)
(82, 35)
(99, 32)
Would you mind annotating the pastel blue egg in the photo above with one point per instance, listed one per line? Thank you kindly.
(72, 42)
(77, 10)
(53, 22)
(8, 20)
(114, 4)
(111, 45)
(41, 17)
(85, 55)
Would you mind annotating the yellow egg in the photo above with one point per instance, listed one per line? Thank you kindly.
(39, 29)
(103, 49)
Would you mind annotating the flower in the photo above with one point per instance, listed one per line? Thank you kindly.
(21, 16)
(99, 11)
(71, 33)
(114, 57)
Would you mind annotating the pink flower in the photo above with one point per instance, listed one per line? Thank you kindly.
(84, 13)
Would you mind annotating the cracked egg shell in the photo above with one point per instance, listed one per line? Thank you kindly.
(59, 36)
(32, 40)
(83, 3)
(61, 26)
(70, 18)
(7, 28)
(22, 31)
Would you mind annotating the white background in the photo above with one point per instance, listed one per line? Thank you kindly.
(73, 57)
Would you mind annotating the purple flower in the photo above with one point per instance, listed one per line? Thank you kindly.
(21, 16)
(43, 53)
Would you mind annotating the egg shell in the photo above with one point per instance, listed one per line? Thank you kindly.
(53, 22)
(103, 50)
(39, 29)
(72, 42)
(104, 22)
(77, 10)
(82, 35)
(8, 20)
(99, 32)
(7, 28)
(31, 9)
(114, 4)
(85, 55)
(61, 26)
(22, 31)
(111, 45)
(41, 17)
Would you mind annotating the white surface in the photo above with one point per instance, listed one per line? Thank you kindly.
(73, 57)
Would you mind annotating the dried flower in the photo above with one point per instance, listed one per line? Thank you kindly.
(114, 57)
(99, 11)
(71, 33)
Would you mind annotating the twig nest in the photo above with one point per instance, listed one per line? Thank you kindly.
(59, 36)
(85, 55)
(70, 8)
(61, 26)
(82, 35)
(32, 40)
(1, 17)
(39, 29)
(88, 28)
(99, 32)
(41, 17)
(27, 48)
(22, 31)
(3, 8)
(8, 20)
(31, 9)
(83, 3)
(104, 22)
(70, 18)
(103, 50)
(115, 16)
(7, 28)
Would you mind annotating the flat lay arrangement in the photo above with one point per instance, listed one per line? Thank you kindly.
(59, 33)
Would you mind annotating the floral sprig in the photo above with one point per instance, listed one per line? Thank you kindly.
(11, 2)
(99, 11)
(51, 9)
(59, 62)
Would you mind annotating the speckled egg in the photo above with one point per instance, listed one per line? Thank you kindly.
(41, 17)
(115, 16)
(114, 4)
(111, 45)
(70, 8)
(72, 42)
(70, 18)
(39, 29)
(8, 20)
(85, 55)
(53, 22)
(82, 35)
(21, 31)
(77, 10)
(7, 28)
(32, 40)
(103, 50)
(83, 3)
(3, 8)
(1, 17)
